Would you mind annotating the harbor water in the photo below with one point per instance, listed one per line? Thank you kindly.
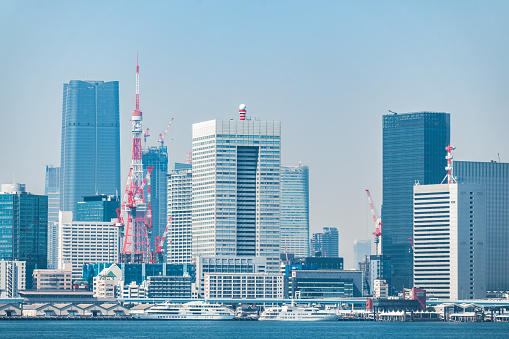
(40, 329)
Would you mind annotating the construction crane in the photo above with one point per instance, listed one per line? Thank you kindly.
(145, 136)
(160, 240)
(161, 136)
(378, 222)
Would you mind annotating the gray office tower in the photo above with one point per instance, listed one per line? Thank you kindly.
(413, 150)
(326, 244)
(157, 157)
(52, 190)
(294, 236)
(361, 249)
(90, 148)
(23, 228)
(494, 176)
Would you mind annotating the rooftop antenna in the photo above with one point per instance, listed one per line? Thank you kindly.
(449, 176)
(242, 112)
(498, 157)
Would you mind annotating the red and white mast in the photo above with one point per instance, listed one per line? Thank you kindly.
(136, 212)
(449, 175)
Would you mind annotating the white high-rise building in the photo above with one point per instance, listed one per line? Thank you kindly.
(180, 238)
(86, 242)
(236, 189)
(53, 245)
(449, 235)
(12, 278)
(294, 236)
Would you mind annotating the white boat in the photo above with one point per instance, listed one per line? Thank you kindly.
(292, 313)
(194, 310)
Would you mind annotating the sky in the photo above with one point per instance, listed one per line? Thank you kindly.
(328, 70)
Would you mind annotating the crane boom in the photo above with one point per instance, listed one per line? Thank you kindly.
(161, 136)
(378, 222)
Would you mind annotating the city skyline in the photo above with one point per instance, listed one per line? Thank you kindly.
(347, 62)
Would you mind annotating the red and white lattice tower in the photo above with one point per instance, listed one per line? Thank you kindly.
(135, 216)
(449, 175)
(242, 112)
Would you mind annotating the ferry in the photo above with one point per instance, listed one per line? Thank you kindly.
(194, 310)
(293, 313)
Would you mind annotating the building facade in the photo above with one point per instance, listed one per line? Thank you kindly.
(326, 244)
(244, 285)
(52, 190)
(51, 279)
(318, 284)
(294, 236)
(450, 240)
(236, 189)
(86, 242)
(180, 238)
(98, 208)
(361, 249)
(23, 228)
(157, 157)
(413, 150)
(12, 278)
(494, 176)
(169, 286)
(90, 147)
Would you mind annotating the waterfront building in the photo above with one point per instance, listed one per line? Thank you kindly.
(86, 242)
(23, 228)
(294, 236)
(106, 282)
(226, 264)
(157, 157)
(53, 279)
(132, 290)
(413, 150)
(236, 189)
(245, 285)
(494, 176)
(180, 237)
(450, 240)
(326, 244)
(319, 284)
(12, 278)
(165, 286)
(361, 250)
(379, 268)
(98, 208)
(90, 147)
(380, 288)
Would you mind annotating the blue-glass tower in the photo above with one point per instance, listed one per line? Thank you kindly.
(294, 233)
(90, 148)
(494, 176)
(413, 150)
(23, 228)
(52, 190)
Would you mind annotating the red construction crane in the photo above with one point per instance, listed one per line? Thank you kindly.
(161, 136)
(160, 240)
(378, 222)
(145, 136)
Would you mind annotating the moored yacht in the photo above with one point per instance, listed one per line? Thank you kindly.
(292, 313)
(195, 310)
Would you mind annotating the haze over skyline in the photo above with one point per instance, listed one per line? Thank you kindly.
(328, 71)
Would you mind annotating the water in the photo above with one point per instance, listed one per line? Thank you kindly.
(40, 329)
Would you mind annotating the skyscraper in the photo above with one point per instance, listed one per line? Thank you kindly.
(361, 249)
(413, 150)
(52, 190)
(23, 228)
(295, 210)
(236, 188)
(327, 243)
(90, 148)
(494, 177)
(157, 157)
(180, 238)
(449, 232)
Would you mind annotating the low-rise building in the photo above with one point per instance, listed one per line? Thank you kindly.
(52, 279)
(12, 278)
(169, 286)
(106, 282)
(380, 288)
(325, 284)
(244, 285)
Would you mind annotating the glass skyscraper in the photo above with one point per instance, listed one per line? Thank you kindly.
(23, 228)
(236, 189)
(52, 190)
(326, 243)
(90, 147)
(494, 177)
(157, 157)
(413, 150)
(294, 236)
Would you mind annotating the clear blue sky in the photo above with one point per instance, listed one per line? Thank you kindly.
(327, 69)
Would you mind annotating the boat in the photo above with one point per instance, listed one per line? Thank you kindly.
(194, 310)
(293, 313)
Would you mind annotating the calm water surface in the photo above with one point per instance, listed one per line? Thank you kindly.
(247, 329)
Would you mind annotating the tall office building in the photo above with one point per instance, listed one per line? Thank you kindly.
(326, 243)
(23, 228)
(494, 177)
(449, 232)
(98, 208)
(90, 148)
(52, 190)
(413, 150)
(180, 237)
(157, 157)
(236, 188)
(361, 249)
(294, 236)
